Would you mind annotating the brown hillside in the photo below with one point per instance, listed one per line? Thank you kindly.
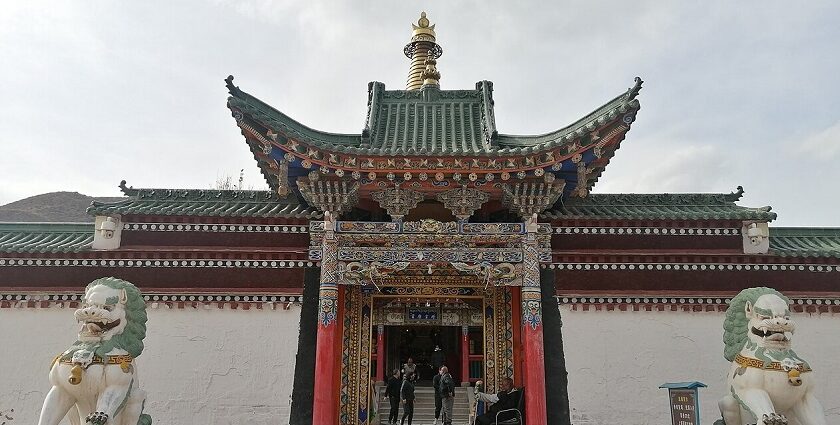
(51, 207)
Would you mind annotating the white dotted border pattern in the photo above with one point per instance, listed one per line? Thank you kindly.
(680, 300)
(816, 268)
(229, 228)
(22, 300)
(195, 263)
(648, 231)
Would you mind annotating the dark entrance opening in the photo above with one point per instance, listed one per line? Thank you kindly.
(419, 342)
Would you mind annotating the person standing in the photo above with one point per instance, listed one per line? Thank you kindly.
(393, 392)
(438, 357)
(438, 398)
(409, 367)
(447, 393)
(407, 394)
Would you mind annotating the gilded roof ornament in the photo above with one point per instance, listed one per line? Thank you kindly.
(423, 52)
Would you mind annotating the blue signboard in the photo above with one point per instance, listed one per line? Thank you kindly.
(422, 314)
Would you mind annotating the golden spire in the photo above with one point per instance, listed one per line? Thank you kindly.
(423, 52)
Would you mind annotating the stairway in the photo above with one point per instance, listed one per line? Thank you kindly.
(424, 407)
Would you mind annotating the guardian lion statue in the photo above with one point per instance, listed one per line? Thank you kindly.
(95, 380)
(768, 382)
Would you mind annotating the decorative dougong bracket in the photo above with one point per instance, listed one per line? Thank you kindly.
(330, 196)
(397, 202)
(282, 170)
(463, 202)
(527, 199)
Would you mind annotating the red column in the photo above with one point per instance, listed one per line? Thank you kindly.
(532, 329)
(380, 353)
(325, 404)
(534, 370)
(465, 355)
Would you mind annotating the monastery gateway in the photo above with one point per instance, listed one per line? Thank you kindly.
(430, 227)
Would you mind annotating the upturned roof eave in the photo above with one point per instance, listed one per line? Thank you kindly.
(503, 144)
(591, 122)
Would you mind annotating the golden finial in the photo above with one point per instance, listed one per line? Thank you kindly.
(422, 50)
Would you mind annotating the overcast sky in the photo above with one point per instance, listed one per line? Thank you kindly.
(736, 93)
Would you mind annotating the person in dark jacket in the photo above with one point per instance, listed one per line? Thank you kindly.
(438, 399)
(507, 398)
(438, 357)
(393, 392)
(407, 394)
(446, 388)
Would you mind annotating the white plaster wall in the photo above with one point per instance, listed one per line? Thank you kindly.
(199, 366)
(235, 366)
(617, 360)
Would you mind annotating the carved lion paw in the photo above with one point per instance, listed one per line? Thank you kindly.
(97, 418)
(774, 419)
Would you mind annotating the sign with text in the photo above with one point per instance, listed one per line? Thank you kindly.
(682, 399)
(683, 407)
(422, 314)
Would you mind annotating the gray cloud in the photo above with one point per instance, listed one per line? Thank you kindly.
(98, 91)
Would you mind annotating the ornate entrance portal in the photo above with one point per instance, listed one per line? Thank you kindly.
(482, 277)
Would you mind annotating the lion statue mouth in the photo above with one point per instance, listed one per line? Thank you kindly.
(98, 327)
(772, 335)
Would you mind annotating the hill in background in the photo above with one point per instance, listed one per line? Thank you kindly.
(51, 207)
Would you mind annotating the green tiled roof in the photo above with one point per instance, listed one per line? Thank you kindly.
(198, 202)
(45, 237)
(431, 121)
(805, 242)
(664, 206)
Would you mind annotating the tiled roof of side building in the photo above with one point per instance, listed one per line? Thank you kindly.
(805, 241)
(661, 206)
(433, 122)
(204, 202)
(45, 237)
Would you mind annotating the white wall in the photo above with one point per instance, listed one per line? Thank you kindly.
(235, 366)
(617, 360)
(199, 366)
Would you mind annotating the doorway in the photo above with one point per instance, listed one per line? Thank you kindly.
(419, 343)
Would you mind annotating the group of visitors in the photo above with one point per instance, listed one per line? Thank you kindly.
(402, 392)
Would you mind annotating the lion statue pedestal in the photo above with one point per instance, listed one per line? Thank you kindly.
(768, 382)
(95, 380)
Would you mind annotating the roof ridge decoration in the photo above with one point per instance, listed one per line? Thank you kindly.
(664, 206)
(674, 198)
(213, 195)
(203, 202)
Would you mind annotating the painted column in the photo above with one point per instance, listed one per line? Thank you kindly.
(465, 355)
(532, 329)
(325, 405)
(380, 353)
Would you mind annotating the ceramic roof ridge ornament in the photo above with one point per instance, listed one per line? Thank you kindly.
(95, 380)
(767, 380)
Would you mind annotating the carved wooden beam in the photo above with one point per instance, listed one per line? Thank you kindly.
(463, 202)
(529, 198)
(397, 202)
(331, 196)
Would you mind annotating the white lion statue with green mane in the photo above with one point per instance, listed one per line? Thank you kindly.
(768, 382)
(95, 380)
